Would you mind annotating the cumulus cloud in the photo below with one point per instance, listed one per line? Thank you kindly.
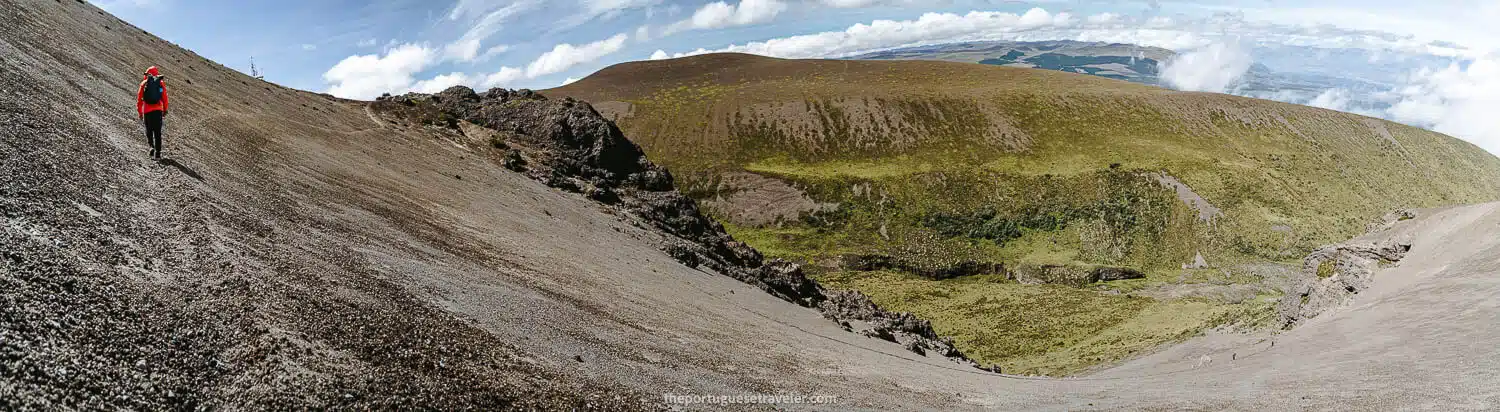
(1210, 69)
(850, 4)
(462, 50)
(440, 83)
(565, 56)
(1332, 99)
(1460, 100)
(718, 15)
(505, 77)
(367, 76)
(928, 29)
(1358, 102)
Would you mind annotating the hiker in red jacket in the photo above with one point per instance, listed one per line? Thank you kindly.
(151, 106)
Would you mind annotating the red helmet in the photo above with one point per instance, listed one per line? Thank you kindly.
(153, 72)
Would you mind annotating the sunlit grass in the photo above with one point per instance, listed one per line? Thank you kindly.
(864, 169)
(895, 144)
(1036, 329)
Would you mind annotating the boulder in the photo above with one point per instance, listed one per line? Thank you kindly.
(1332, 275)
(1110, 274)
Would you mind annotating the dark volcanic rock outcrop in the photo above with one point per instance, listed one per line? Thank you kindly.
(1334, 274)
(949, 270)
(916, 334)
(568, 145)
(1071, 275)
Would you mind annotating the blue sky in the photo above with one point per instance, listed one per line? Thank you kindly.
(360, 49)
(297, 42)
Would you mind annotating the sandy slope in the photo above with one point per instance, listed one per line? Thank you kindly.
(301, 253)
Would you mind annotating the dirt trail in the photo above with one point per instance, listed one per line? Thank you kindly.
(315, 262)
(373, 119)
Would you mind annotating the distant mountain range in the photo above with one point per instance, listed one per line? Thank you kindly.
(1113, 60)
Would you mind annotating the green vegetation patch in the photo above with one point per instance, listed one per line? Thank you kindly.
(1036, 329)
(1326, 268)
(937, 165)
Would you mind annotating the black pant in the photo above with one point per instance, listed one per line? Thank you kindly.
(153, 132)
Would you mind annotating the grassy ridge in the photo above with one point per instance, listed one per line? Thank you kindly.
(936, 164)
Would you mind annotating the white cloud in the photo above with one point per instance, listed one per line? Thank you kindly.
(371, 42)
(1176, 33)
(475, 8)
(565, 56)
(718, 15)
(1210, 69)
(882, 34)
(608, 9)
(1103, 18)
(440, 83)
(569, 81)
(1340, 99)
(495, 50)
(660, 55)
(505, 77)
(367, 76)
(601, 10)
(309, 47)
(488, 18)
(1413, 24)
(464, 50)
(1332, 99)
(1459, 100)
(850, 4)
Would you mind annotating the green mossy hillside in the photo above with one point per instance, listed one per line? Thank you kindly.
(934, 167)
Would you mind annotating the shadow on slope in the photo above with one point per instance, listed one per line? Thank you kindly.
(189, 172)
